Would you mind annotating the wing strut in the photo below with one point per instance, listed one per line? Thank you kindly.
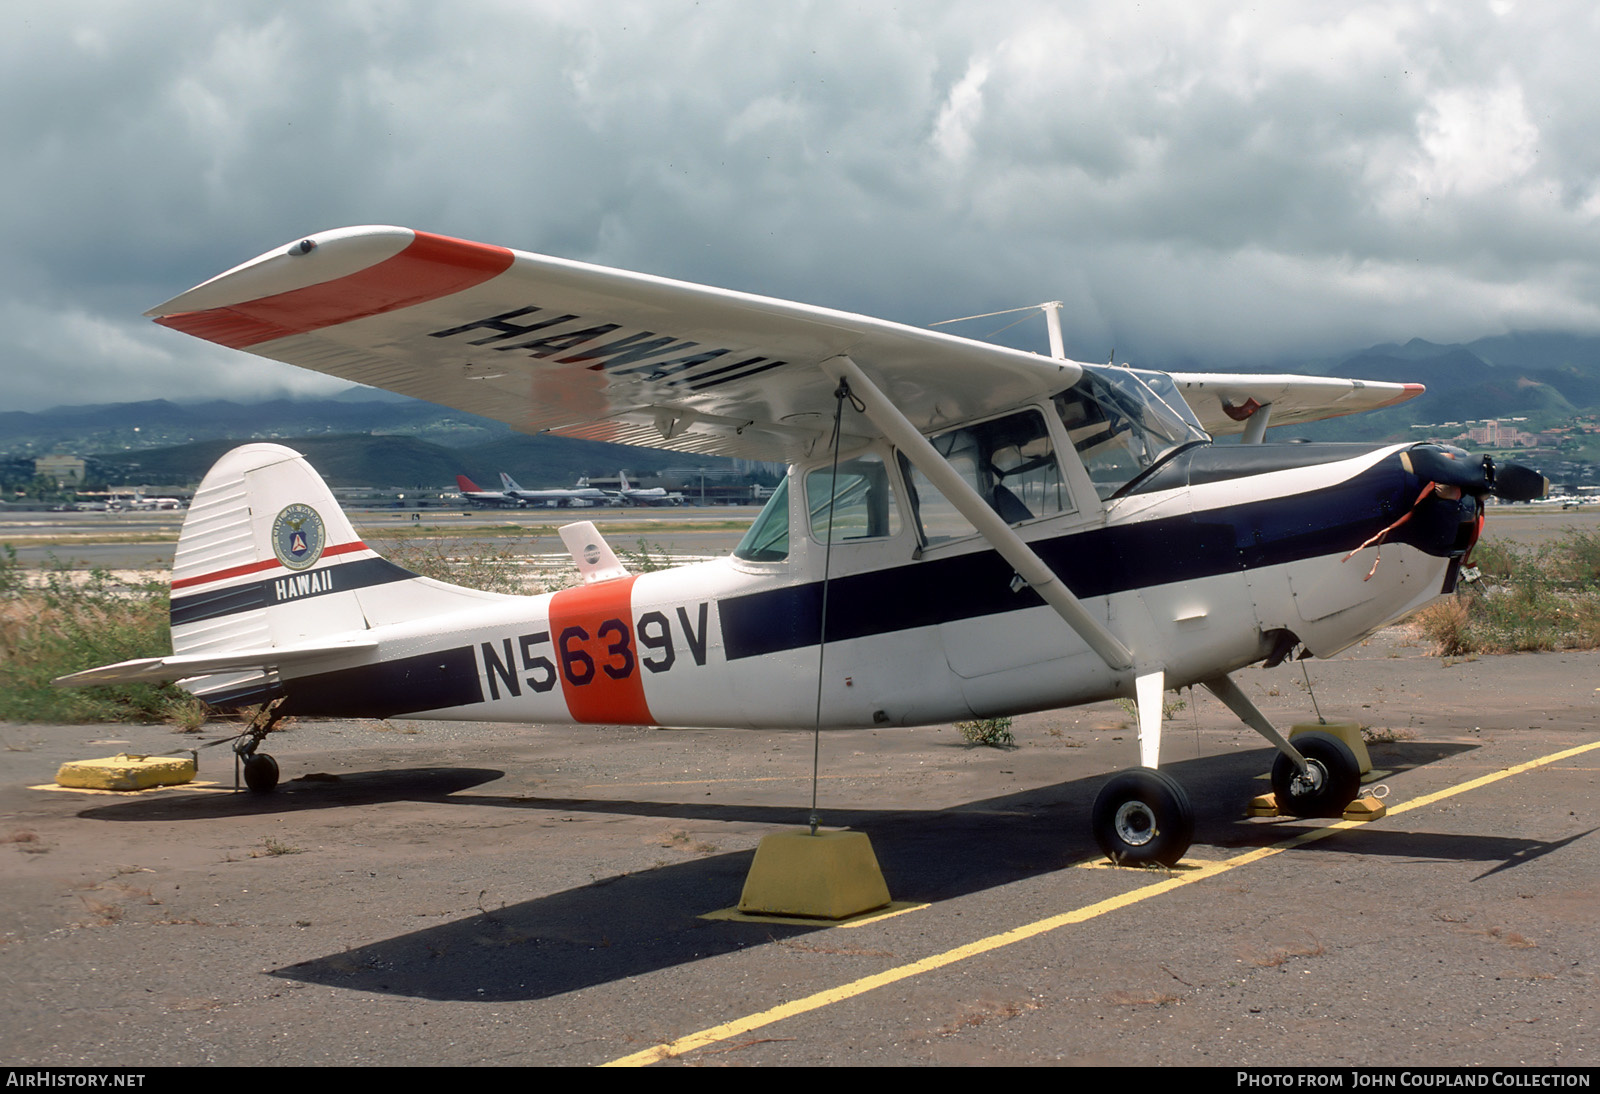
(1033, 570)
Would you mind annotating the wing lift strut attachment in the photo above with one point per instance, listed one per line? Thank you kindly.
(1142, 816)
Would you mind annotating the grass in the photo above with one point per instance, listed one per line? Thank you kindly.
(1524, 599)
(65, 622)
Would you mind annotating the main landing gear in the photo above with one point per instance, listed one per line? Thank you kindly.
(1143, 817)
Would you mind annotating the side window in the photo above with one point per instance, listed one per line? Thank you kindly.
(862, 501)
(1008, 461)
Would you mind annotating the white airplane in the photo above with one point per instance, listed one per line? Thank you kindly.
(580, 496)
(477, 495)
(139, 502)
(965, 530)
(655, 495)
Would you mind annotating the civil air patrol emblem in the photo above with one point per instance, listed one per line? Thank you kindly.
(298, 536)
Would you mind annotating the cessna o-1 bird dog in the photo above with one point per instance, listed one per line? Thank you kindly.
(965, 530)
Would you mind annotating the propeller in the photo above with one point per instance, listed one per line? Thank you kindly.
(1476, 475)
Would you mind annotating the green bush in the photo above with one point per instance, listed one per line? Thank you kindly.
(994, 732)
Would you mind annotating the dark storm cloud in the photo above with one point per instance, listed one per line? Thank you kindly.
(1196, 182)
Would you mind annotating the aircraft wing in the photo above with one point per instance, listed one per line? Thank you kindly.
(156, 670)
(1225, 402)
(549, 345)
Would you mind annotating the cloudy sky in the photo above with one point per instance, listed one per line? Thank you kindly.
(1199, 183)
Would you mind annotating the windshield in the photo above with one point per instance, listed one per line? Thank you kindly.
(1123, 423)
(768, 538)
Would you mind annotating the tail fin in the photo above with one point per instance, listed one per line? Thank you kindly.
(467, 486)
(507, 482)
(267, 559)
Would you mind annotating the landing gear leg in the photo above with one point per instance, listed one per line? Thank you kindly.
(1317, 779)
(1142, 817)
(260, 769)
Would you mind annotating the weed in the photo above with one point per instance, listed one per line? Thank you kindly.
(1168, 709)
(1372, 735)
(473, 564)
(105, 914)
(984, 1012)
(994, 732)
(646, 558)
(271, 847)
(1524, 600)
(65, 621)
(1281, 954)
(1142, 998)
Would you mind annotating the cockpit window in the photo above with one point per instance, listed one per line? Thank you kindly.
(1123, 427)
(768, 538)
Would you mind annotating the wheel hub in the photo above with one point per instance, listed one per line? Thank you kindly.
(1135, 823)
(1311, 782)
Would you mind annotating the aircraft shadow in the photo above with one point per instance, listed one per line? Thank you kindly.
(415, 784)
(631, 925)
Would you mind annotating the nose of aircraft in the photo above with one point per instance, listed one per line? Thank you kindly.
(1447, 516)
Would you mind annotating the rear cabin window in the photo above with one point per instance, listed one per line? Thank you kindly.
(1008, 461)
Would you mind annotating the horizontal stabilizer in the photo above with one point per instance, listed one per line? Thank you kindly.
(158, 670)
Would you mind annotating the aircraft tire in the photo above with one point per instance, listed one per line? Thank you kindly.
(1143, 817)
(1335, 777)
(261, 773)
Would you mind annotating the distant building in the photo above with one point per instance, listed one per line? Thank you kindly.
(62, 470)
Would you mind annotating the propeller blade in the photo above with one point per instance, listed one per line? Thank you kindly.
(1514, 482)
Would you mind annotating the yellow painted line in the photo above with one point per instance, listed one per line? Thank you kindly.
(1192, 873)
(1485, 780)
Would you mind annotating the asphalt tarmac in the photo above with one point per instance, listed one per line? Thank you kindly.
(440, 894)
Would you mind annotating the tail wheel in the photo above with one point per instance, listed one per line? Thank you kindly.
(1331, 782)
(1143, 817)
(261, 773)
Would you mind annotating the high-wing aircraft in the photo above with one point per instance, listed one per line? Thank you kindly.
(965, 530)
(477, 495)
(582, 495)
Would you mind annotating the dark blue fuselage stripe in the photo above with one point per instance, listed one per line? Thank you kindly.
(333, 578)
(1095, 562)
(429, 681)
